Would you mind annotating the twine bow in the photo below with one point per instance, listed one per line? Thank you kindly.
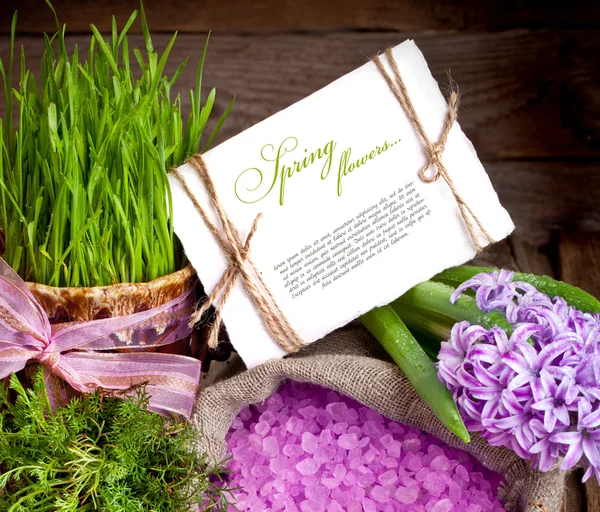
(237, 254)
(82, 354)
(433, 151)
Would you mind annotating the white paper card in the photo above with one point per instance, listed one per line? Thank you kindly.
(347, 224)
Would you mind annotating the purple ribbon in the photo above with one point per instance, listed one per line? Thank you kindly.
(79, 352)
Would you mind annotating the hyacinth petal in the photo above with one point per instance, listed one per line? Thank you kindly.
(529, 353)
(537, 389)
(590, 449)
(515, 361)
(573, 455)
(592, 420)
(566, 437)
(541, 446)
(510, 421)
(551, 352)
(562, 415)
(483, 352)
(521, 379)
(523, 331)
(549, 421)
(544, 405)
(510, 402)
(589, 472)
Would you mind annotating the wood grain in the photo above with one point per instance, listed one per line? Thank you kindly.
(579, 255)
(514, 103)
(248, 16)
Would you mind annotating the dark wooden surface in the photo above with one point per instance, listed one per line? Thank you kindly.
(529, 73)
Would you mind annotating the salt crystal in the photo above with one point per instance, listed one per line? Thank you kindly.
(357, 493)
(369, 456)
(454, 492)
(462, 473)
(381, 494)
(245, 414)
(334, 506)
(266, 489)
(309, 412)
(260, 471)
(389, 462)
(422, 474)
(279, 485)
(275, 402)
(337, 410)
(355, 506)
(309, 480)
(373, 429)
(268, 417)
(307, 466)
(323, 417)
(325, 454)
(444, 505)
(393, 450)
(341, 496)
(270, 446)
(434, 450)
(388, 478)
(473, 508)
(386, 440)
(317, 492)
(350, 479)
(411, 445)
(439, 463)
(295, 425)
(330, 483)
(325, 437)
(340, 428)
(369, 505)
(309, 442)
(433, 485)
(407, 495)
(311, 506)
(277, 465)
(374, 416)
(354, 429)
(348, 441)
(366, 479)
(293, 450)
(339, 472)
(414, 463)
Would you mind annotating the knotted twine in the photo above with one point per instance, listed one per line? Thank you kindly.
(237, 253)
(433, 151)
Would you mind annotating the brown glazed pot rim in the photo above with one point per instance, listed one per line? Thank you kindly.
(93, 302)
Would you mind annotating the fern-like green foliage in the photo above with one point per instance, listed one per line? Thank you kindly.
(98, 453)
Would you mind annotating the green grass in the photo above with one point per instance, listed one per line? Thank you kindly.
(84, 196)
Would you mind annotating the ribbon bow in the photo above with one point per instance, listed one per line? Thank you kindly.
(79, 352)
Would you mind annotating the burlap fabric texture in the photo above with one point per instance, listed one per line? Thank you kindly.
(351, 362)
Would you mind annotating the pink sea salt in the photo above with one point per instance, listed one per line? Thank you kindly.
(307, 449)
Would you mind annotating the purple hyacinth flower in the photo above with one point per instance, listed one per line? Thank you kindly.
(560, 400)
(582, 441)
(530, 365)
(536, 391)
(492, 291)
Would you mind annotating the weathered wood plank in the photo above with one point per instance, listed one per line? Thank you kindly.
(522, 92)
(579, 258)
(241, 15)
(574, 497)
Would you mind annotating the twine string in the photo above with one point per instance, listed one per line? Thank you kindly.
(433, 151)
(239, 261)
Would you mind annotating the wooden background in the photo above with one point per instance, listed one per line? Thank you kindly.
(529, 73)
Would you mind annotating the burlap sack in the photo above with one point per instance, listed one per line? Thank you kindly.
(351, 362)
